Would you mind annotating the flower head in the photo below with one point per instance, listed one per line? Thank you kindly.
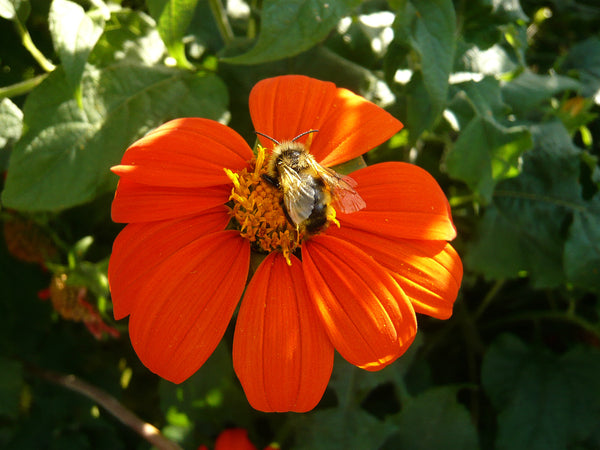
(197, 204)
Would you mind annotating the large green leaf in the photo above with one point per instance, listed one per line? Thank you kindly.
(340, 428)
(545, 401)
(11, 119)
(64, 157)
(74, 34)
(530, 90)
(524, 227)
(433, 420)
(487, 152)
(128, 36)
(582, 249)
(291, 27)
(584, 58)
(173, 18)
(424, 31)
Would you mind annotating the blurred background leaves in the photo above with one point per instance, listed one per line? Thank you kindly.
(500, 102)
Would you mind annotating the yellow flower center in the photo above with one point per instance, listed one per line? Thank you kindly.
(257, 210)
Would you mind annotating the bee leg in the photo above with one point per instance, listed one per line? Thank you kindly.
(271, 180)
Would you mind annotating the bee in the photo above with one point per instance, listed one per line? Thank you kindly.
(310, 191)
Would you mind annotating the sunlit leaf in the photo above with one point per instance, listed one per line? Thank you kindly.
(487, 152)
(74, 34)
(64, 157)
(425, 30)
(173, 18)
(11, 119)
(128, 36)
(15, 9)
(291, 27)
(524, 227)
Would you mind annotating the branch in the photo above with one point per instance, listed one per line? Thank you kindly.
(125, 416)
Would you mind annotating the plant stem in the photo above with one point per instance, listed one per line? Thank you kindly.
(220, 16)
(22, 87)
(488, 298)
(30, 46)
(550, 315)
(111, 404)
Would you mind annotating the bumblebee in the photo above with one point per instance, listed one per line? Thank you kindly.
(311, 192)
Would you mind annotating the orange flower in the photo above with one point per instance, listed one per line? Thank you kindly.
(179, 270)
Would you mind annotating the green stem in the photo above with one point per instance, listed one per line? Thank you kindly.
(220, 16)
(22, 87)
(550, 315)
(489, 298)
(30, 46)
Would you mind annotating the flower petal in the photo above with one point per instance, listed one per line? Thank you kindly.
(186, 302)
(281, 353)
(189, 152)
(368, 318)
(403, 201)
(135, 202)
(349, 125)
(140, 247)
(283, 107)
(429, 272)
(353, 126)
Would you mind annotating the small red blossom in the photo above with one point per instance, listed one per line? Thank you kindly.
(196, 204)
(233, 439)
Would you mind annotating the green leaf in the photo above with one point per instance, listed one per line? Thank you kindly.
(74, 34)
(523, 229)
(544, 401)
(584, 57)
(11, 384)
(529, 90)
(340, 428)
(291, 27)
(425, 32)
(173, 18)
(487, 152)
(64, 157)
(128, 36)
(582, 249)
(11, 118)
(434, 420)
(15, 10)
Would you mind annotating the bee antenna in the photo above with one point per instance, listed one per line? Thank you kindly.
(269, 137)
(303, 134)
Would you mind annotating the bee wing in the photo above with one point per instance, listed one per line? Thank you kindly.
(345, 197)
(298, 196)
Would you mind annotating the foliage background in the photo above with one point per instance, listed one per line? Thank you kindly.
(500, 102)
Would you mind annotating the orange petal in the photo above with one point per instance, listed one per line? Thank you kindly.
(190, 152)
(281, 353)
(136, 202)
(403, 201)
(368, 318)
(283, 107)
(429, 272)
(185, 303)
(140, 247)
(352, 127)
(234, 439)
